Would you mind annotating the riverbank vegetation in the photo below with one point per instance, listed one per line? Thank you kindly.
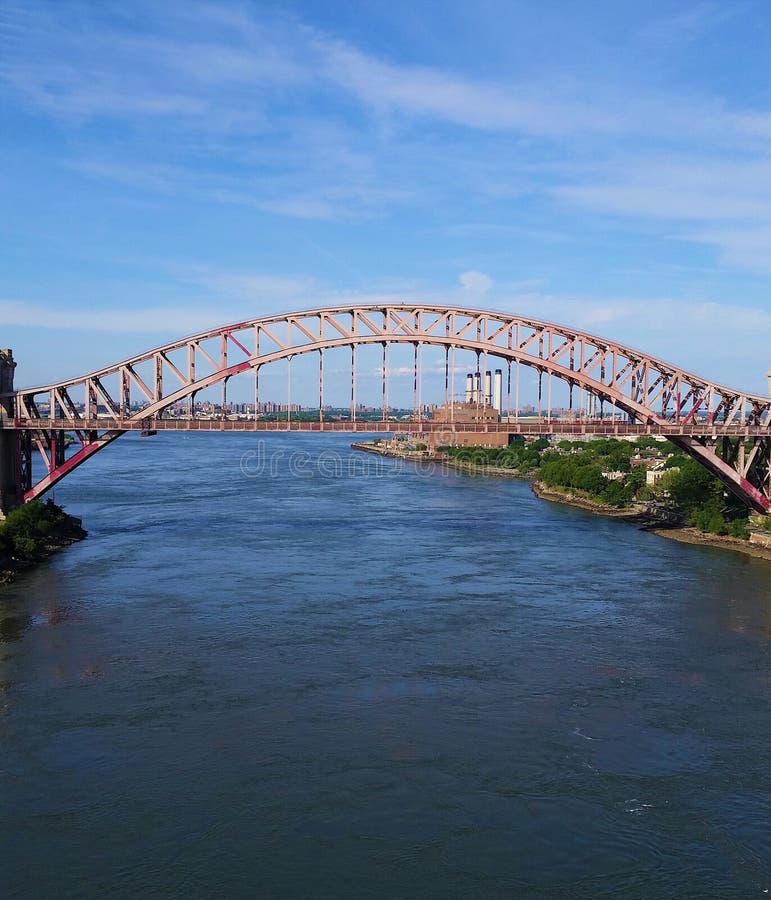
(621, 474)
(33, 532)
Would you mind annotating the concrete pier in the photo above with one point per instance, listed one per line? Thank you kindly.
(9, 474)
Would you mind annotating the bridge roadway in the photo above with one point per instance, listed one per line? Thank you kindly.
(606, 427)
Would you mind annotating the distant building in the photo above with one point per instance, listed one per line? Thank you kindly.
(466, 414)
(653, 476)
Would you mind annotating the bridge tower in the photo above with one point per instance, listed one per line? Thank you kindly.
(9, 438)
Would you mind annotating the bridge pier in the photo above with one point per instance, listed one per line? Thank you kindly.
(9, 439)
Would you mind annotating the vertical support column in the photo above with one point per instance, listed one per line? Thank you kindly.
(384, 373)
(191, 380)
(158, 386)
(24, 465)
(452, 387)
(321, 386)
(508, 389)
(446, 373)
(10, 443)
(57, 449)
(602, 379)
(353, 382)
(125, 394)
(256, 392)
(288, 393)
(420, 380)
(548, 397)
(415, 382)
(224, 365)
(540, 394)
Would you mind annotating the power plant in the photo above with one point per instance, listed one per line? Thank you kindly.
(493, 390)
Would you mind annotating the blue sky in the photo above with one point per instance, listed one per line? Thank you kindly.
(170, 166)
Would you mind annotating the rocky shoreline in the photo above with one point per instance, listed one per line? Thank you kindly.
(496, 471)
(68, 532)
(683, 534)
(635, 514)
(688, 535)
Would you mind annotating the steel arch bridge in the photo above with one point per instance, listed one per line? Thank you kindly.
(726, 430)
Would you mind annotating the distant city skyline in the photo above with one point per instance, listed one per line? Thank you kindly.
(171, 167)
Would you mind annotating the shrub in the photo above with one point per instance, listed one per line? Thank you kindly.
(26, 529)
(738, 528)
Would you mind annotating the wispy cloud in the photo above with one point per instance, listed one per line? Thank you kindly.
(423, 91)
(248, 107)
(247, 286)
(171, 320)
(81, 63)
(686, 189)
(684, 26)
(722, 203)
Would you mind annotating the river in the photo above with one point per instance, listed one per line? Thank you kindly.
(280, 668)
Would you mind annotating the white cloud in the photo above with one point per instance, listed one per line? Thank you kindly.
(476, 283)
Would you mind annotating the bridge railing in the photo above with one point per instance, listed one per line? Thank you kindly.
(553, 426)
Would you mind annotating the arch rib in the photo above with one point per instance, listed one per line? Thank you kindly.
(648, 390)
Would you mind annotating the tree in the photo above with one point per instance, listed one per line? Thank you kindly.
(692, 486)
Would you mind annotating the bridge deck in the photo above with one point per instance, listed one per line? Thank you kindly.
(607, 427)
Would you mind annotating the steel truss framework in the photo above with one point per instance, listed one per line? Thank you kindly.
(697, 415)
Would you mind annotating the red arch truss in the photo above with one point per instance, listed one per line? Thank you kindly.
(697, 414)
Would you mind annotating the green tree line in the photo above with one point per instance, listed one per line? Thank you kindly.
(582, 468)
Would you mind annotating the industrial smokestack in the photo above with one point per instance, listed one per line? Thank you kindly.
(498, 391)
(477, 387)
(488, 388)
(469, 388)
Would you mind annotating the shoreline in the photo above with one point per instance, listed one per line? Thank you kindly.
(686, 534)
(70, 532)
(494, 471)
(683, 534)
(594, 506)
